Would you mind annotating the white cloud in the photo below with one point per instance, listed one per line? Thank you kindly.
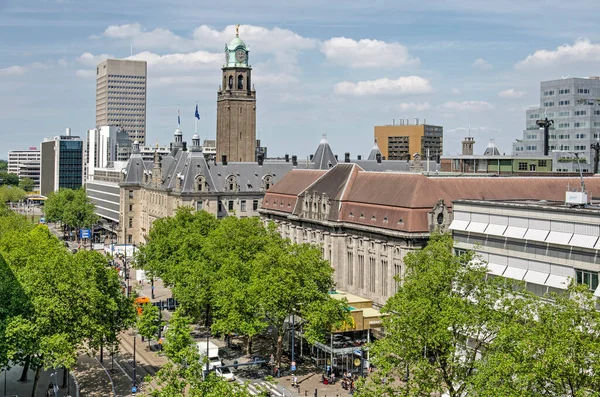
(467, 105)
(456, 91)
(181, 61)
(141, 39)
(258, 38)
(19, 70)
(85, 73)
(403, 86)
(367, 53)
(582, 50)
(89, 59)
(482, 64)
(414, 106)
(123, 31)
(511, 93)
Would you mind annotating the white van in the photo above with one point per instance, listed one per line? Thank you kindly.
(212, 351)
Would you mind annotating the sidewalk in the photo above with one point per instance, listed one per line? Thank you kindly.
(16, 388)
(308, 384)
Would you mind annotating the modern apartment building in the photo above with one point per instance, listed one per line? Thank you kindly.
(574, 106)
(61, 163)
(106, 145)
(121, 96)
(546, 244)
(26, 164)
(18, 157)
(401, 141)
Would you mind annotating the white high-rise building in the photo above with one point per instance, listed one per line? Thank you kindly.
(26, 164)
(121, 96)
(574, 106)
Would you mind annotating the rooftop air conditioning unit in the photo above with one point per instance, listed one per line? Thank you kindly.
(576, 198)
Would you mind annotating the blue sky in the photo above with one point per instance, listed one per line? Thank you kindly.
(335, 67)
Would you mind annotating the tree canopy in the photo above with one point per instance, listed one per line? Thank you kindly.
(11, 194)
(238, 275)
(71, 207)
(7, 178)
(55, 300)
(27, 184)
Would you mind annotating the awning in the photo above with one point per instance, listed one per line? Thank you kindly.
(556, 281)
(583, 240)
(477, 227)
(536, 277)
(496, 269)
(559, 238)
(459, 225)
(495, 230)
(536, 234)
(515, 232)
(514, 273)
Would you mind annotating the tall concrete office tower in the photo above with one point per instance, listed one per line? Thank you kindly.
(121, 96)
(236, 106)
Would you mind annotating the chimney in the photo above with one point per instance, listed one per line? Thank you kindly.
(346, 157)
(311, 157)
(287, 158)
(378, 157)
(224, 159)
(424, 121)
(393, 121)
(359, 157)
(295, 160)
(68, 132)
(407, 122)
(336, 157)
(260, 159)
(416, 121)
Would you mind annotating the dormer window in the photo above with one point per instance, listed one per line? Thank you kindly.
(200, 183)
(231, 183)
(267, 182)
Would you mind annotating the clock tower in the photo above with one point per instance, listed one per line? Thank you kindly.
(236, 105)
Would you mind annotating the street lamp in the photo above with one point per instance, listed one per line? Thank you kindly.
(545, 125)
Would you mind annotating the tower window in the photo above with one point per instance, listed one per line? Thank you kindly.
(230, 82)
(240, 82)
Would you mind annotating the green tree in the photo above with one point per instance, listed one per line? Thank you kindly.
(291, 278)
(148, 322)
(553, 351)
(7, 178)
(27, 184)
(178, 338)
(438, 323)
(11, 194)
(71, 207)
(3, 165)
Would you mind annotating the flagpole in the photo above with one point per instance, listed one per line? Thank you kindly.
(196, 121)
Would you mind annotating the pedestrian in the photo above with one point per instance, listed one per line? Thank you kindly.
(295, 381)
(333, 378)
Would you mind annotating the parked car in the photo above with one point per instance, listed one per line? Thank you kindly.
(225, 373)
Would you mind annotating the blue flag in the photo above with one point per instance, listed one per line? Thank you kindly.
(197, 114)
(178, 117)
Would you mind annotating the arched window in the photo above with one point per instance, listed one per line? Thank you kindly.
(267, 182)
(230, 82)
(200, 183)
(240, 82)
(231, 183)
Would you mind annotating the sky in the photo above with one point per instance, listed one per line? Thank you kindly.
(319, 67)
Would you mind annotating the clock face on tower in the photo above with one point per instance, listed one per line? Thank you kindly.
(240, 55)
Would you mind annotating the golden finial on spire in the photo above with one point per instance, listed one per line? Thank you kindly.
(237, 29)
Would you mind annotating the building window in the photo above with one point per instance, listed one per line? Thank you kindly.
(230, 205)
(384, 270)
(243, 205)
(581, 125)
(130, 207)
(131, 194)
(542, 163)
(564, 125)
(587, 278)
(199, 205)
(372, 274)
(548, 104)
(254, 205)
(240, 82)
(549, 93)
(350, 268)
(579, 113)
(220, 207)
(564, 91)
(564, 114)
(579, 147)
(129, 238)
(531, 167)
(583, 90)
(564, 103)
(397, 275)
(130, 222)
(522, 166)
(580, 136)
(361, 271)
